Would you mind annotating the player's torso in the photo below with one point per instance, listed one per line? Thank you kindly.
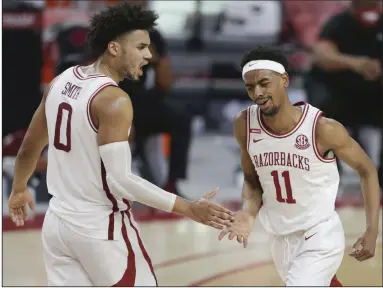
(76, 177)
(299, 185)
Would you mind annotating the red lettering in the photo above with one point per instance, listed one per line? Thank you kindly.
(283, 158)
(300, 160)
(288, 160)
(260, 160)
(295, 165)
(256, 161)
(276, 158)
(265, 155)
(307, 162)
(271, 158)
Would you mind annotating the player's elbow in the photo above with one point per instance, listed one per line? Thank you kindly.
(367, 169)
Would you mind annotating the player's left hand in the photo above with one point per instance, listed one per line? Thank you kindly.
(18, 201)
(364, 247)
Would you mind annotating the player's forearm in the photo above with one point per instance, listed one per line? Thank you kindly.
(24, 167)
(123, 183)
(251, 197)
(138, 189)
(371, 195)
(135, 188)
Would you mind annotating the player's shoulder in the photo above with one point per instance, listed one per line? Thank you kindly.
(243, 114)
(330, 130)
(327, 125)
(111, 98)
(240, 124)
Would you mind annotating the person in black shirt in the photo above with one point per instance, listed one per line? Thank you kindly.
(153, 115)
(349, 58)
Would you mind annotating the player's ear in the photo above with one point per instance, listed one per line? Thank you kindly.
(114, 48)
(285, 79)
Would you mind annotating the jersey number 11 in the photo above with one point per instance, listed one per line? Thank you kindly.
(289, 193)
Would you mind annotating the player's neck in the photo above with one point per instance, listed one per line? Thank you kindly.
(285, 120)
(101, 66)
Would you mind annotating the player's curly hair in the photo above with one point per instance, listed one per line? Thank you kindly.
(115, 21)
(265, 53)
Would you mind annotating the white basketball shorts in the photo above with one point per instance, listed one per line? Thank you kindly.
(312, 257)
(74, 260)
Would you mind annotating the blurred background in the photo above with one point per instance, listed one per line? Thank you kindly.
(187, 100)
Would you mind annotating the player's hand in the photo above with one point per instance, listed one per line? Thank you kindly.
(364, 247)
(241, 228)
(18, 201)
(209, 213)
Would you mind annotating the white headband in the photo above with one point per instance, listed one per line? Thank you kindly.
(263, 64)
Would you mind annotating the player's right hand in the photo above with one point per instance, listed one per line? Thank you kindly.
(209, 213)
(18, 201)
(241, 228)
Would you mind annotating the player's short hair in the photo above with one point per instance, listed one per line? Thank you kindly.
(265, 53)
(115, 21)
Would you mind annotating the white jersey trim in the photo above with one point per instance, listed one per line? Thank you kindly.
(315, 148)
(82, 76)
(248, 127)
(301, 120)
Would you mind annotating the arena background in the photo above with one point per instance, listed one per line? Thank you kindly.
(208, 83)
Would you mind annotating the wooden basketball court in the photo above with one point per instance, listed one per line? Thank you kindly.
(189, 254)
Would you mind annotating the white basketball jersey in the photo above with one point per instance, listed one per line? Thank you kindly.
(299, 185)
(76, 175)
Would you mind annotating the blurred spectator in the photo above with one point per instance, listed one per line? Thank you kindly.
(154, 115)
(348, 60)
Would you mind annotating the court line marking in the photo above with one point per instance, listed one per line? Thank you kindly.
(250, 266)
(225, 250)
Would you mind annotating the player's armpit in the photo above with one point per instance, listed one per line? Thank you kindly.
(252, 189)
(112, 113)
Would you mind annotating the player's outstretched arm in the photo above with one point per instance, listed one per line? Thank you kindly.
(35, 140)
(251, 190)
(331, 135)
(112, 112)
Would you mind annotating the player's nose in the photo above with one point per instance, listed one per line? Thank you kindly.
(148, 55)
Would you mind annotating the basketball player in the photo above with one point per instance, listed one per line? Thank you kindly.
(89, 235)
(291, 177)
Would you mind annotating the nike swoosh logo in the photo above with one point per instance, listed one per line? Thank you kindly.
(307, 238)
(257, 140)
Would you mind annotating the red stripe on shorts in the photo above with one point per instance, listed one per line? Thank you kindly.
(143, 250)
(129, 277)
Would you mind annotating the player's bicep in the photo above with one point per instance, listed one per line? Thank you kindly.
(345, 148)
(36, 137)
(115, 114)
(354, 156)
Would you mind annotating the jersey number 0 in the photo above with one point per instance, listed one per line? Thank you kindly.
(64, 113)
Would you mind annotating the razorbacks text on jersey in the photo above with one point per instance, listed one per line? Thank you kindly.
(299, 185)
(76, 177)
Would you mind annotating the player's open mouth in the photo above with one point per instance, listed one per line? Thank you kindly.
(262, 103)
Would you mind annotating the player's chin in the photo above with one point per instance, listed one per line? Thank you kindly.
(134, 77)
(269, 111)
